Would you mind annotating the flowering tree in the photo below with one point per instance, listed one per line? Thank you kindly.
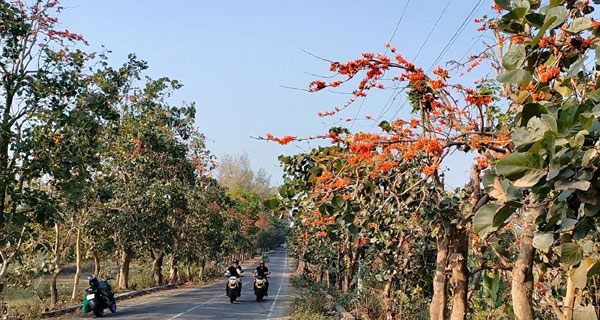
(528, 127)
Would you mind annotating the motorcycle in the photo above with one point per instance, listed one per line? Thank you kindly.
(100, 296)
(233, 288)
(260, 287)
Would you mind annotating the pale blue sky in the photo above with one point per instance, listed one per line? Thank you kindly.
(234, 56)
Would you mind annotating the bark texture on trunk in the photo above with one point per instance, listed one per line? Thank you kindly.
(157, 265)
(174, 272)
(460, 275)
(75, 294)
(96, 264)
(57, 267)
(437, 309)
(522, 279)
(124, 269)
(386, 296)
(202, 270)
(569, 303)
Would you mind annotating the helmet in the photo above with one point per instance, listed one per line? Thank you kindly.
(262, 262)
(236, 260)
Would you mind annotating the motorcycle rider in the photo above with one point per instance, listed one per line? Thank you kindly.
(234, 271)
(263, 271)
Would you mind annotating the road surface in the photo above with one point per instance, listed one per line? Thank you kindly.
(210, 302)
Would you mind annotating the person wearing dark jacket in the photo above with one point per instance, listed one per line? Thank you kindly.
(234, 271)
(263, 271)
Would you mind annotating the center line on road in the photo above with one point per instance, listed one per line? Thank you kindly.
(280, 285)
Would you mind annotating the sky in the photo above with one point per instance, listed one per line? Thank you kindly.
(237, 59)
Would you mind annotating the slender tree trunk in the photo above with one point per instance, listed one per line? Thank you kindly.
(74, 295)
(569, 303)
(386, 296)
(124, 269)
(202, 270)
(188, 270)
(437, 309)
(522, 278)
(96, 264)
(157, 265)
(460, 275)
(57, 267)
(174, 272)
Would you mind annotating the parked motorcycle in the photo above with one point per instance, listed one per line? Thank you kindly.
(260, 287)
(100, 296)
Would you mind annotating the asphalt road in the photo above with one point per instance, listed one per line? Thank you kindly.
(210, 301)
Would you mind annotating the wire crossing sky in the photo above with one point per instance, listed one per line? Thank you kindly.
(235, 57)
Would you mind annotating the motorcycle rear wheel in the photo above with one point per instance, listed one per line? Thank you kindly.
(232, 298)
(98, 312)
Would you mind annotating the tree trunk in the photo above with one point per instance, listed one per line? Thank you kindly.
(569, 303)
(74, 295)
(174, 272)
(460, 275)
(57, 267)
(437, 309)
(157, 265)
(202, 270)
(386, 296)
(188, 270)
(96, 264)
(124, 269)
(522, 278)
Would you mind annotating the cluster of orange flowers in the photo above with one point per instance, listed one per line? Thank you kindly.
(546, 74)
(282, 141)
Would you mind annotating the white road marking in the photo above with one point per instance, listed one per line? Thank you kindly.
(280, 285)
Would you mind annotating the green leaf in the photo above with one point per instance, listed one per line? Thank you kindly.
(571, 253)
(561, 15)
(535, 19)
(504, 213)
(338, 202)
(575, 67)
(385, 126)
(532, 110)
(572, 185)
(514, 57)
(580, 24)
(515, 76)
(554, 3)
(543, 240)
(525, 169)
(484, 218)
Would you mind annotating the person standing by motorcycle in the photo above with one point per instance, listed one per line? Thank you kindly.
(234, 271)
(263, 271)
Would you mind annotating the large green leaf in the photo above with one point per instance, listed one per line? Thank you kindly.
(514, 57)
(543, 240)
(522, 167)
(580, 24)
(561, 15)
(515, 76)
(484, 218)
(571, 253)
(504, 212)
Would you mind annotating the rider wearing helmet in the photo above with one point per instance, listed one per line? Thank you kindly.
(263, 271)
(234, 270)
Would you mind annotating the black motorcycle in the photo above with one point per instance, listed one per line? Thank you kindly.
(100, 296)
(260, 287)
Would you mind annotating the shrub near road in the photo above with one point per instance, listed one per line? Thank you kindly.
(518, 241)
